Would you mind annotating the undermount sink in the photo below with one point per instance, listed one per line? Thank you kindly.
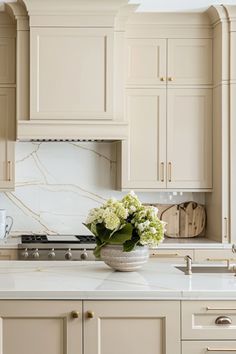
(206, 269)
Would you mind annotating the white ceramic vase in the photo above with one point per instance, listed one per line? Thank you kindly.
(116, 258)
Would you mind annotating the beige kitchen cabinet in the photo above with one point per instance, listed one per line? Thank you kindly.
(202, 347)
(169, 110)
(146, 61)
(71, 73)
(172, 61)
(7, 138)
(211, 256)
(144, 153)
(189, 61)
(169, 145)
(131, 327)
(172, 256)
(38, 327)
(7, 60)
(189, 138)
(8, 254)
(202, 320)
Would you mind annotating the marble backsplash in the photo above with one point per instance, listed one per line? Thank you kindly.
(57, 183)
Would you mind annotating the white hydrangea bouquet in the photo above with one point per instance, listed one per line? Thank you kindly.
(126, 222)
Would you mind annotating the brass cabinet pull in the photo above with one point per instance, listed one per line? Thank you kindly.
(9, 168)
(220, 349)
(223, 320)
(75, 314)
(165, 255)
(209, 308)
(169, 171)
(226, 228)
(162, 78)
(162, 172)
(90, 314)
(170, 78)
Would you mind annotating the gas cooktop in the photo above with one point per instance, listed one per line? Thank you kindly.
(51, 239)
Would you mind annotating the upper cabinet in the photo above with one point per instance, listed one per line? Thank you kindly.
(155, 62)
(189, 61)
(168, 107)
(146, 61)
(71, 73)
(7, 102)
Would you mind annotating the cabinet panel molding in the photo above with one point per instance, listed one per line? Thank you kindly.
(146, 61)
(144, 154)
(7, 138)
(71, 73)
(7, 60)
(45, 326)
(189, 138)
(189, 61)
(152, 324)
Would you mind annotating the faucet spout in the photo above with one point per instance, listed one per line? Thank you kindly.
(188, 270)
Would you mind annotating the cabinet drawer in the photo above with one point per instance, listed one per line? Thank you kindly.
(175, 256)
(220, 347)
(7, 254)
(214, 255)
(199, 319)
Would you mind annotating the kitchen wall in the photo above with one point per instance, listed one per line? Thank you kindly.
(57, 183)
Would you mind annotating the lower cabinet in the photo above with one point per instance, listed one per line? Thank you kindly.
(127, 327)
(108, 327)
(8, 254)
(220, 347)
(117, 327)
(41, 327)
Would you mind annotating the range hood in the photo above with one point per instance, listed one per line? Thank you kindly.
(70, 69)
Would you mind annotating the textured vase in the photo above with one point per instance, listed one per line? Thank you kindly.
(116, 258)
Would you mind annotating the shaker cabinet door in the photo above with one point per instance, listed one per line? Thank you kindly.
(71, 73)
(125, 327)
(189, 139)
(189, 61)
(144, 154)
(7, 138)
(40, 327)
(146, 62)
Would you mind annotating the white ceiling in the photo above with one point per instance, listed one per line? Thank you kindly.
(178, 5)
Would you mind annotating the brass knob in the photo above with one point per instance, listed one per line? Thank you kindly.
(170, 78)
(223, 320)
(162, 78)
(90, 314)
(75, 314)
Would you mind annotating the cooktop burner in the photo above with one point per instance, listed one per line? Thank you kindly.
(69, 239)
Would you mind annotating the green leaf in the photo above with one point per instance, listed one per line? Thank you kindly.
(97, 250)
(130, 244)
(121, 236)
(103, 233)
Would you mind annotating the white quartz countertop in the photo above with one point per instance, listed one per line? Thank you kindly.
(94, 280)
(12, 242)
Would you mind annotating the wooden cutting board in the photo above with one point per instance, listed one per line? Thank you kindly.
(183, 220)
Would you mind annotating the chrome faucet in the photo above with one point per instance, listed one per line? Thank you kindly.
(188, 270)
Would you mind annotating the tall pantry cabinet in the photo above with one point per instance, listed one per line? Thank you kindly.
(168, 103)
(7, 101)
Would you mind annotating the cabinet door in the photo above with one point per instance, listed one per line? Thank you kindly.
(189, 138)
(190, 61)
(125, 327)
(40, 327)
(7, 137)
(71, 73)
(146, 61)
(144, 154)
(7, 60)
